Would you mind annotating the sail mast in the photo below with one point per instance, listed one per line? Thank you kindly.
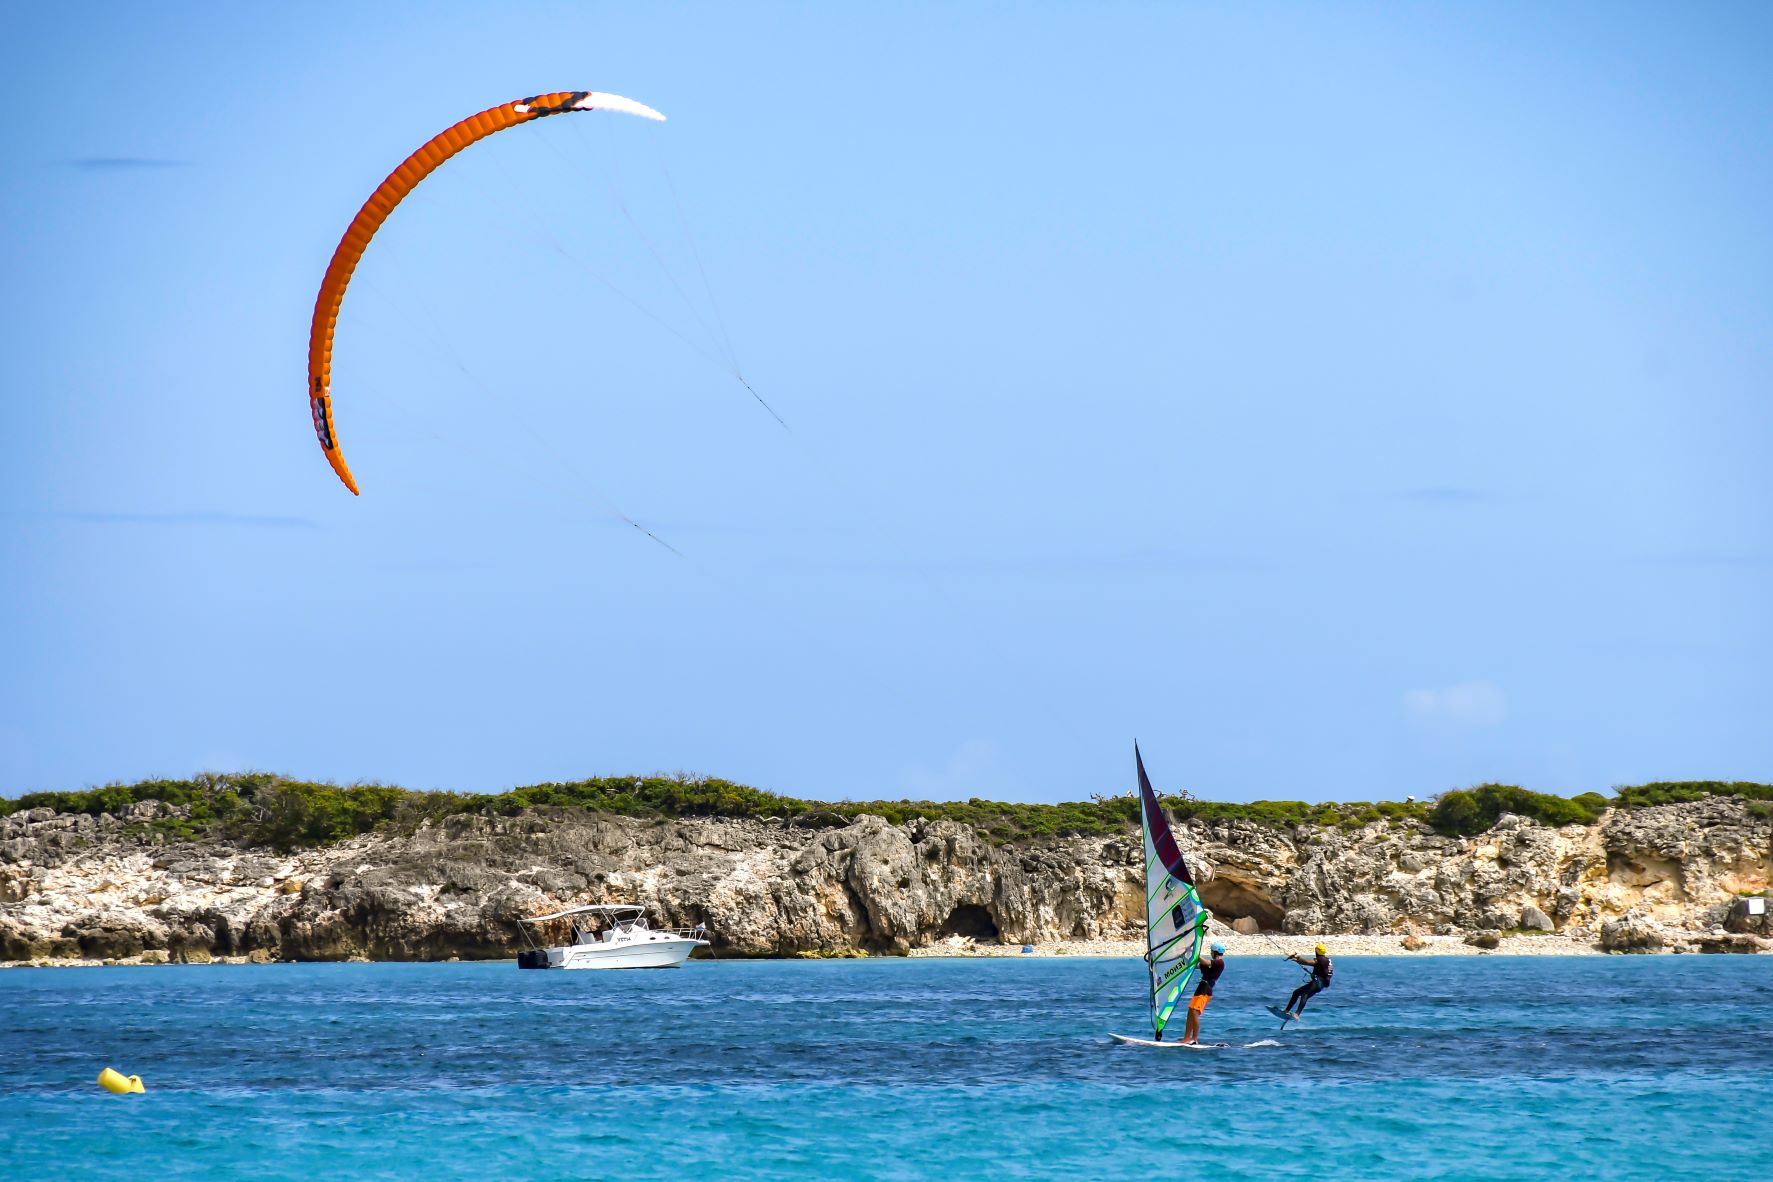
(1150, 973)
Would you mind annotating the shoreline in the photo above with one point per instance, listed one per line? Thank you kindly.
(960, 948)
(1548, 944)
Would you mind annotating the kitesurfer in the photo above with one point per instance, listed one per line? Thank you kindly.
(1203, 993)
(1319, 980)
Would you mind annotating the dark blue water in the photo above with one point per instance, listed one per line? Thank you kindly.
(1482, 1067)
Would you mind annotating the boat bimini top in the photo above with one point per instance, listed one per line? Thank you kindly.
(591, 909)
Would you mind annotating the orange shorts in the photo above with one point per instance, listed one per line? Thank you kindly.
(1199, 1001)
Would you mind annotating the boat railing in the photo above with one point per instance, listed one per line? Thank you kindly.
(699, 932)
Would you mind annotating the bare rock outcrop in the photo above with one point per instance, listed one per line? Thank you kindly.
(1632, 932)
(116, 887)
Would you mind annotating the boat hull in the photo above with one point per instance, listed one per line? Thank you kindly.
(647, 954)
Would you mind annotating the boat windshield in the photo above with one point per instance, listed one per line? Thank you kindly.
(602, 929)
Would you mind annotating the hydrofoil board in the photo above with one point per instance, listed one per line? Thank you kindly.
(1285, 1017)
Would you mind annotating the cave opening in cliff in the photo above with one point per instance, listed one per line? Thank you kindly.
(1229, 899)
(969, 920)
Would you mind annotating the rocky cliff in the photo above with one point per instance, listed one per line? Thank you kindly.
(116, 886)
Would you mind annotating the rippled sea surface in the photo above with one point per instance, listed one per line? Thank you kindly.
(1481, 1067)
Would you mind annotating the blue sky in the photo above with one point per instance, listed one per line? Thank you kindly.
(1348, 401)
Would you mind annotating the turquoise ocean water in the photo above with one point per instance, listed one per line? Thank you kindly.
(1482, 1067)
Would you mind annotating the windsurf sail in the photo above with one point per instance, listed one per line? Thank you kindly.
(1175, 921)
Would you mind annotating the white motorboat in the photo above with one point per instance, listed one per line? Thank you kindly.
(611, 936)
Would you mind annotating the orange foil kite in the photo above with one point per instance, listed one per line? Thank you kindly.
(381, 203)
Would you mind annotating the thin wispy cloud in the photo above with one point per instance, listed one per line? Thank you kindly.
(237, 520)
(1130, 564)
(1704, 558)
(1444, 495)
(222, 760)
(750, 529)
(1469, 704)
(445, 564)
(122, 163)
(970, 771)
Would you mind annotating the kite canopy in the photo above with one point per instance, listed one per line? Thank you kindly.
(381, 203)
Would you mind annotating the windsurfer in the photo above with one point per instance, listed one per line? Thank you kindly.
(1175, 921)
(1319, 981)
(1203, 993)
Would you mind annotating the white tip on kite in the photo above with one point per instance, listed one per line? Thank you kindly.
(597, 101)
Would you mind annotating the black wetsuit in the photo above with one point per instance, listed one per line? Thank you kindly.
(1320, 981)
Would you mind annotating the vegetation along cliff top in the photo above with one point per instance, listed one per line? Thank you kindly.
(259, 808)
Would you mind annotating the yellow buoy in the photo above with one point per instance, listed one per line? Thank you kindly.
(111, 1081)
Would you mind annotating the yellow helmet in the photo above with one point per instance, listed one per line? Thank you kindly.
(1321, 950)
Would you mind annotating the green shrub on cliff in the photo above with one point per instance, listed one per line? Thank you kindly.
(265, 810)
(292, 815)
(1464, 812)
(1287, 814)
(1683, 791)
(1591, 802)
(112, 798)
(679, 796)
(1457, 813)
(252, 807)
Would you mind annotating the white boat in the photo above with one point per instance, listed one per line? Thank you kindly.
(611, 936)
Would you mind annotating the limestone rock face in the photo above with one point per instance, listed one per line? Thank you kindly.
(1535, 920)
(76, 886)
(1751, 916)
(1731, 942)
(1632, 932)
